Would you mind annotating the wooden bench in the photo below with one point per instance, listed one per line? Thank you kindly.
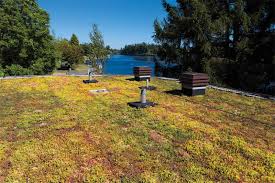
(142, 73)
(194, 83)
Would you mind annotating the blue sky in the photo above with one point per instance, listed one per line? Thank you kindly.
(120, 21)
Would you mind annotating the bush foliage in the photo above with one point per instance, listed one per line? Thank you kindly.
(225, 72)
(70, 51)
(17, 70)
(25, 42)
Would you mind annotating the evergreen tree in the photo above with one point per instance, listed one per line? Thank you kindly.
(97, 46)
(70, 53)
(236, 33)
(253, 31)
(25, 39)
(185, 34)
(74, 40)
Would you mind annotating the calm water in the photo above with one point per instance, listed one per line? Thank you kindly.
(123, 65)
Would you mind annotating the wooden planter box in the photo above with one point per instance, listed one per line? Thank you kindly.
(194, 83)
(142, 73)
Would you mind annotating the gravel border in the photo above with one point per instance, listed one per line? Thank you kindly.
(247, 94)
(239, 92)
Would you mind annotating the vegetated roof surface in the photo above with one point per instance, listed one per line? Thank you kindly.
(53, 130)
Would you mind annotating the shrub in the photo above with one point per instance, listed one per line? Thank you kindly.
(221, 71)
(252, 76)
(17, 70)
(2, 72)
(38, 68)
(246, 76)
